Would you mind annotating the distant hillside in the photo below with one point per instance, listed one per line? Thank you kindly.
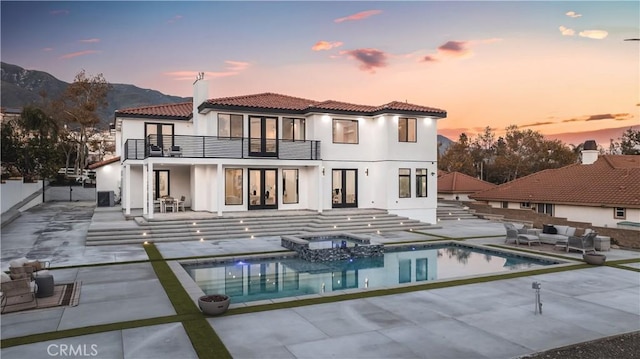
(443, 143)
(22, 87)
(602, 137)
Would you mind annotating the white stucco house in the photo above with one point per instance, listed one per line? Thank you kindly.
(276, 152)
(602, 190)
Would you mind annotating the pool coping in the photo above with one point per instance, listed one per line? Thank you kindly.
(194, 291)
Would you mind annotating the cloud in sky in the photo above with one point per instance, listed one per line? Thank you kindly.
(174, 19)
(326, 45)
(573, 14)
(236, 65)
(456, 49)
(566, 31)
(369, 59)
(47, 49)
(90, 41)
(536, 124)
(600, 117)
(232, 68)
(59, 12)
(358, 16)
(79, 53)
(594, 34)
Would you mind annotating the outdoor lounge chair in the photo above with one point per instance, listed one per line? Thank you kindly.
(519, 235)
(180, 204)
(584, 244)
(18, 291)
(155, 151)
(175, 151)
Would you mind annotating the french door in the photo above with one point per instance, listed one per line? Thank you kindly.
(344, 192)
(263, 191)
(263, 136)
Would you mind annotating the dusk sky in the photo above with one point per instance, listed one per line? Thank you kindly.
(550, 66)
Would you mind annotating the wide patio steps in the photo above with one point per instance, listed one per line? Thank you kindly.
(354, 221)
(454, 212)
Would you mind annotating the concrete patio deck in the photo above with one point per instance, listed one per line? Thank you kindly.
(486, 320)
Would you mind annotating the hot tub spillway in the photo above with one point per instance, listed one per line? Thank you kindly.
(332, 247)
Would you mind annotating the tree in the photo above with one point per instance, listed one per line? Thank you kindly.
(629, 143)
(29, 145)
(78, 107)
(517, 154)
(457, 158)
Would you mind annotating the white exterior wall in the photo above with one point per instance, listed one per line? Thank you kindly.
(597, 216)
(108, 177)
(15, 191)
(377, 152)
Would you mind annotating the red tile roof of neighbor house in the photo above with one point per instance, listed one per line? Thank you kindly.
(93, 166)
(611, 181)
(273, 101)
(182, 110)
(456, 182)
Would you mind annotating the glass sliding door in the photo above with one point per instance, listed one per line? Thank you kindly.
(344, 191)
(263, 136)
(161, 184)
(263, 191)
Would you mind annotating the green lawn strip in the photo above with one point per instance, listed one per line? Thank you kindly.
(399, 290)
(204, 339)
(530, 251)
(40, 337)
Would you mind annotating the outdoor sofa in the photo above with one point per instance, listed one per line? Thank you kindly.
(553, 233)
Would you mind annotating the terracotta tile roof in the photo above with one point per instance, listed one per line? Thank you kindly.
(403, 106)
(611, 181)
(456, 182)
(182, 110)
(264, 100)
(93, 166)
(331, 105)
(276, 102)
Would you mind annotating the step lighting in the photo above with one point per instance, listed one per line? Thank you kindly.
(252, 236)
(198, 231)
(194, 223)
(241, 221)
(335, 226)
(144, 233)
(201, 239)
(369, 225)
(348, 218)
(146, 242)
(374, 217)
(246, 229)
(402, 224)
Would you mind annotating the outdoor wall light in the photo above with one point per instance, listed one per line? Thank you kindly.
(366, 171)
(323, 171)
(433, 173)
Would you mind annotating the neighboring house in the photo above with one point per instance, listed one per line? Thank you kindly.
(601, 190)
(277, 152)
(108, 175)
(458, 186)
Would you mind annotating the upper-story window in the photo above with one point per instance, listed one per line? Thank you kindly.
(619, 213)
(345, 131)
(407, 130)
(230, 126)
(159, 134)
(293, 129)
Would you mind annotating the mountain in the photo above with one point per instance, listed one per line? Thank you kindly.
(443, 144)
(602, 137)
(21, 87)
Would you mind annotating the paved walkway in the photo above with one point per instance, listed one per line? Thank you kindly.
(488, 320)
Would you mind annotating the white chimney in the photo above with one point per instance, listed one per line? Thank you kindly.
(589, 152)
(200, 95)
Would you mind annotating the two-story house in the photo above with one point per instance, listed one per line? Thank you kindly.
(277, 152)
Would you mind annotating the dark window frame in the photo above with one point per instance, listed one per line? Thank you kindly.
(333, 131)
(421, 176)
(406, 133)
(241, 187)
(296, 123)
(406, 177)
(621, 210)
(160, 133)
(231, 120)
(284, 185)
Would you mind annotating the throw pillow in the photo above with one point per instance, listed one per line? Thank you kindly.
(553, 230)
(4, 277)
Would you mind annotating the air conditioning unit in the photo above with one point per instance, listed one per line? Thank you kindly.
(106, 199)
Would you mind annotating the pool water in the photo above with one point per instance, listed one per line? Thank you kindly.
(260, 279)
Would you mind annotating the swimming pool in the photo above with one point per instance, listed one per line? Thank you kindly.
(270, 278)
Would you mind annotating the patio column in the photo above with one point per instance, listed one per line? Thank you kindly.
(150, 199)
(145, 179)
(126, 189)
(320, 178)
(220, 188)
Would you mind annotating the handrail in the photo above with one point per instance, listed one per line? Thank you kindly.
(187, 146)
